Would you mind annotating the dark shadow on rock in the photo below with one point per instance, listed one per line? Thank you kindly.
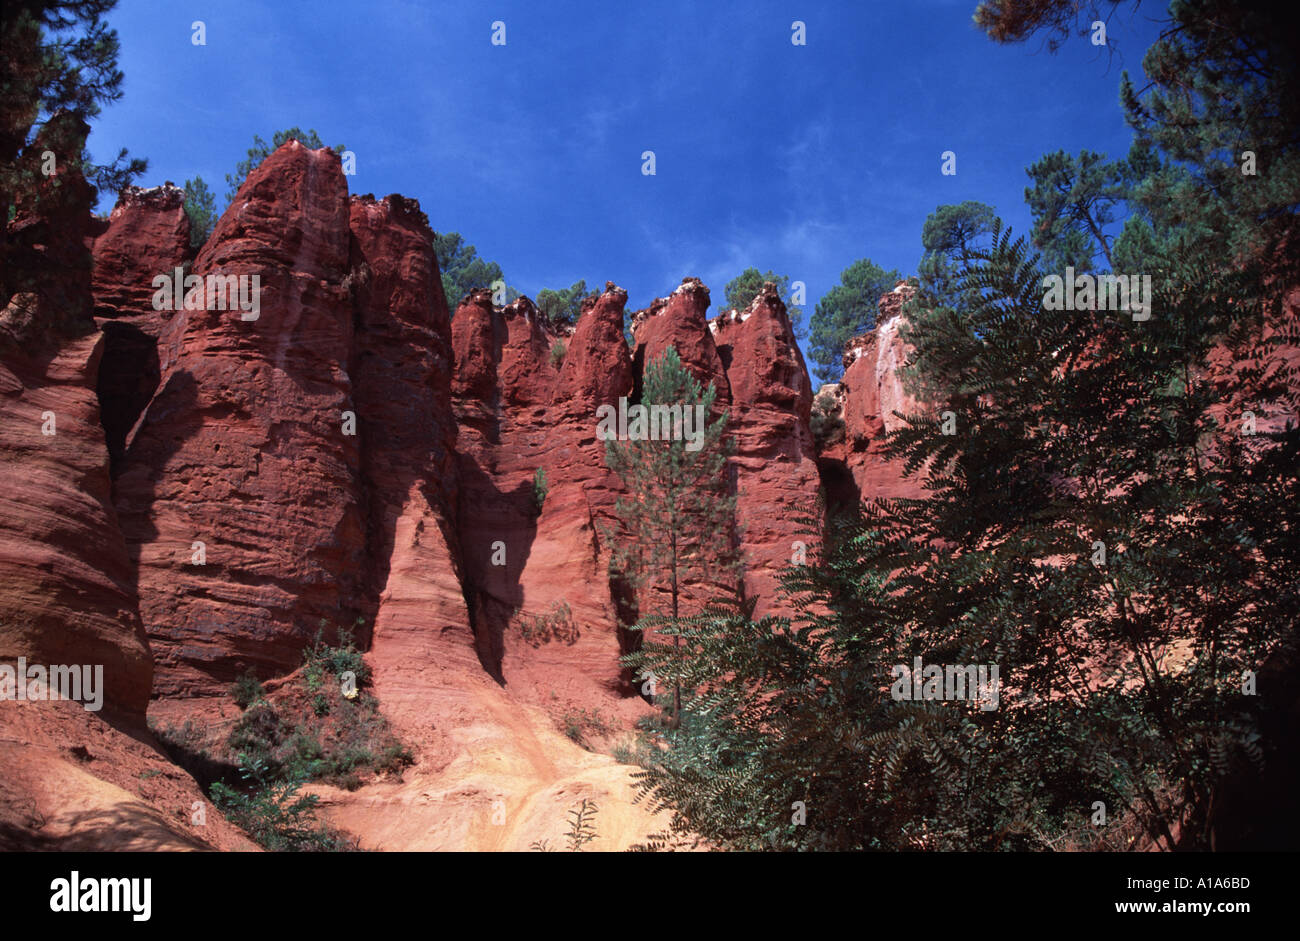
(501, 525)
(142, 464)
(120, 828)
(128, 378)
(1253, 807)
(842, 494)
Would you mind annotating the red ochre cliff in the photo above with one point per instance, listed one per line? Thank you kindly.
(223, 482)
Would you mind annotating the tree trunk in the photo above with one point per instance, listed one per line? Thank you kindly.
(677, 643)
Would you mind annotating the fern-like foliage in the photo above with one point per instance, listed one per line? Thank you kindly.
(1121, 672)
(582, 825)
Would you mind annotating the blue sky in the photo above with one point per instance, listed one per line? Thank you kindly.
(799, 159)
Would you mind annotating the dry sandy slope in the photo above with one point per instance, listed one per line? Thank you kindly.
(75, 781)
(478, 744)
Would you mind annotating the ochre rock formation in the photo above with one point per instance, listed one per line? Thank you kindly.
(66, 582)
(348, 455)
(873, 396)
(147, 235)
(776, 466)
(239, 492)
(401, 367)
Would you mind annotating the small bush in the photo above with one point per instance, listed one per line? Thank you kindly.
(577, 724)
(321, 658)
(582, 825)
(338, 750)
(826, 423)
(393, 758)
(259, 733)
(313, 674)
(246, 690)
(626, 754)
(582, 829)
(270, 811)
(305, 755)
(314, 731)
(539, 489)
(556, 624)
(558, 349)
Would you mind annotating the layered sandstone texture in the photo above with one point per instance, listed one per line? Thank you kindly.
(873, 399)
(776, 464)
(344, 453)
(239, 491)
(147, 236)
(66, 582)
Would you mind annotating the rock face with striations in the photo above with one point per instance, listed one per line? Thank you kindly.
(500, 356)
(679, 321)
(239, 492)
(525, 396)
(345, 451)
(148, 235)
(401, 366)
(569, 561)
(871, 392)
(776, 467)
(353, 452)
(296, 466)
(66, 592)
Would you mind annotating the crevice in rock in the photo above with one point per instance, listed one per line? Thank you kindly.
(841, 490)
(129, 375)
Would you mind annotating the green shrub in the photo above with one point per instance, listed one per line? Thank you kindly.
(355, 739)
(313, 674)
(321, 658)
(259, 733)
(558, 349)
(582, 825)
(320, 704)
(393, 757)
(826, 423)
(323, 735)
(556, 624)
(577, 724)
(626, 754)
(305, 755)
(246, 690)
(539, 489)
(270, 811)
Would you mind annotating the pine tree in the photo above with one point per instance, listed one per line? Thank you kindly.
(1073, 201)
(563, 306)
(1093, 529)
(58, 67)
(949, 236)
(1104, 526)
(1223, 105)
(679, 515)
(463, 270)
(846, 310)
(201, 208)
